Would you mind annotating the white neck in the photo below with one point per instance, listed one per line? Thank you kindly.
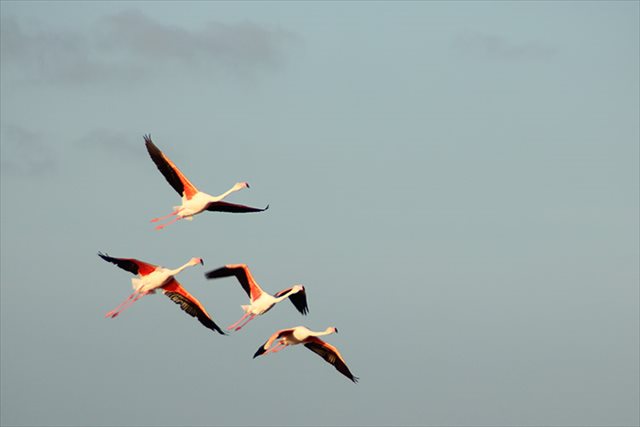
(179, 269)
(285, 296)
(229, 191)
(327, 331)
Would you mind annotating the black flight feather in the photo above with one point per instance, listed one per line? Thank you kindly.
(331, 358)
(238, 272)
(124, 264)
(222, 206)
(194, 311)
(165, 168)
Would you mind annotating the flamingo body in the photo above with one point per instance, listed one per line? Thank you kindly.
(152, 277)
(260, 301)
(194, 201)
(302, 335)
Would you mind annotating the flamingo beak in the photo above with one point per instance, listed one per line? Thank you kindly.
(336, 330)
(201, 261)
(247, 184)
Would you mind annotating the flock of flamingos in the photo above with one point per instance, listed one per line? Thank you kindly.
(154, 277)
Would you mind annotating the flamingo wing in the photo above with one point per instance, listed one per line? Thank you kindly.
(299, 299)
(189, 304)
(243, 274)
(277, 335)
(129, 264)
(172, 174)
(221, 206)
(331, 355)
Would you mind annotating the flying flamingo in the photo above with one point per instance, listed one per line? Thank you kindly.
(193, 200)
(152, 277)
(260, 301)
(302, 335)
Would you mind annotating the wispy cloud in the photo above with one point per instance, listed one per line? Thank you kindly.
(500, 48)
(24, 153)
(131, 45)
(227, 44)
(52, 56)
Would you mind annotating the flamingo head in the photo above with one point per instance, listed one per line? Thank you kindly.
(297, 288)
(332, 330)
(240, 185)
(194, 261)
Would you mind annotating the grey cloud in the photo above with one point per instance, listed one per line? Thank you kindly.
(39, 48)
(24, 153)
(123, 44)
(498, 47)
(54, 56)
(242, 43)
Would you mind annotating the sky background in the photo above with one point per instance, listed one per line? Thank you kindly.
(455, 183)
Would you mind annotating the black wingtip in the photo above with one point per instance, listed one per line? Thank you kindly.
(260, 351)
(211, 274)
(217, 273)
(215, 328)
(354, 379)
(147, 137)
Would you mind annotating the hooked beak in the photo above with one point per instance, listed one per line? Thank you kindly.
(201, 261)
(336, 330)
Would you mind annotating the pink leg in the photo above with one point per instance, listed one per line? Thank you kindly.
(279, 348)
(166, 216)
(129, 298)
(276, 348)
(160, 227)
(128, 304)
(125, 304)
(230, 327)
(253, 316)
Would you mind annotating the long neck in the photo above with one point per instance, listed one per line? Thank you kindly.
(284, 296)
(327, 331)
(226, 193)
(179, 269)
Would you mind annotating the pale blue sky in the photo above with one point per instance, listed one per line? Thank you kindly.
(455, 183)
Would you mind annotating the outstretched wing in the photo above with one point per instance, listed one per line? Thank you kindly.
(172, 174)
(129, 264)
(243, 274)
(189, 304)
(299, 299)
(277, 335)
(330, 354)
(221, 206)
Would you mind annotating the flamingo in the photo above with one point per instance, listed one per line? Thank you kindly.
(302, 335)
(152, 277)
(260, 301)
(193, 200)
